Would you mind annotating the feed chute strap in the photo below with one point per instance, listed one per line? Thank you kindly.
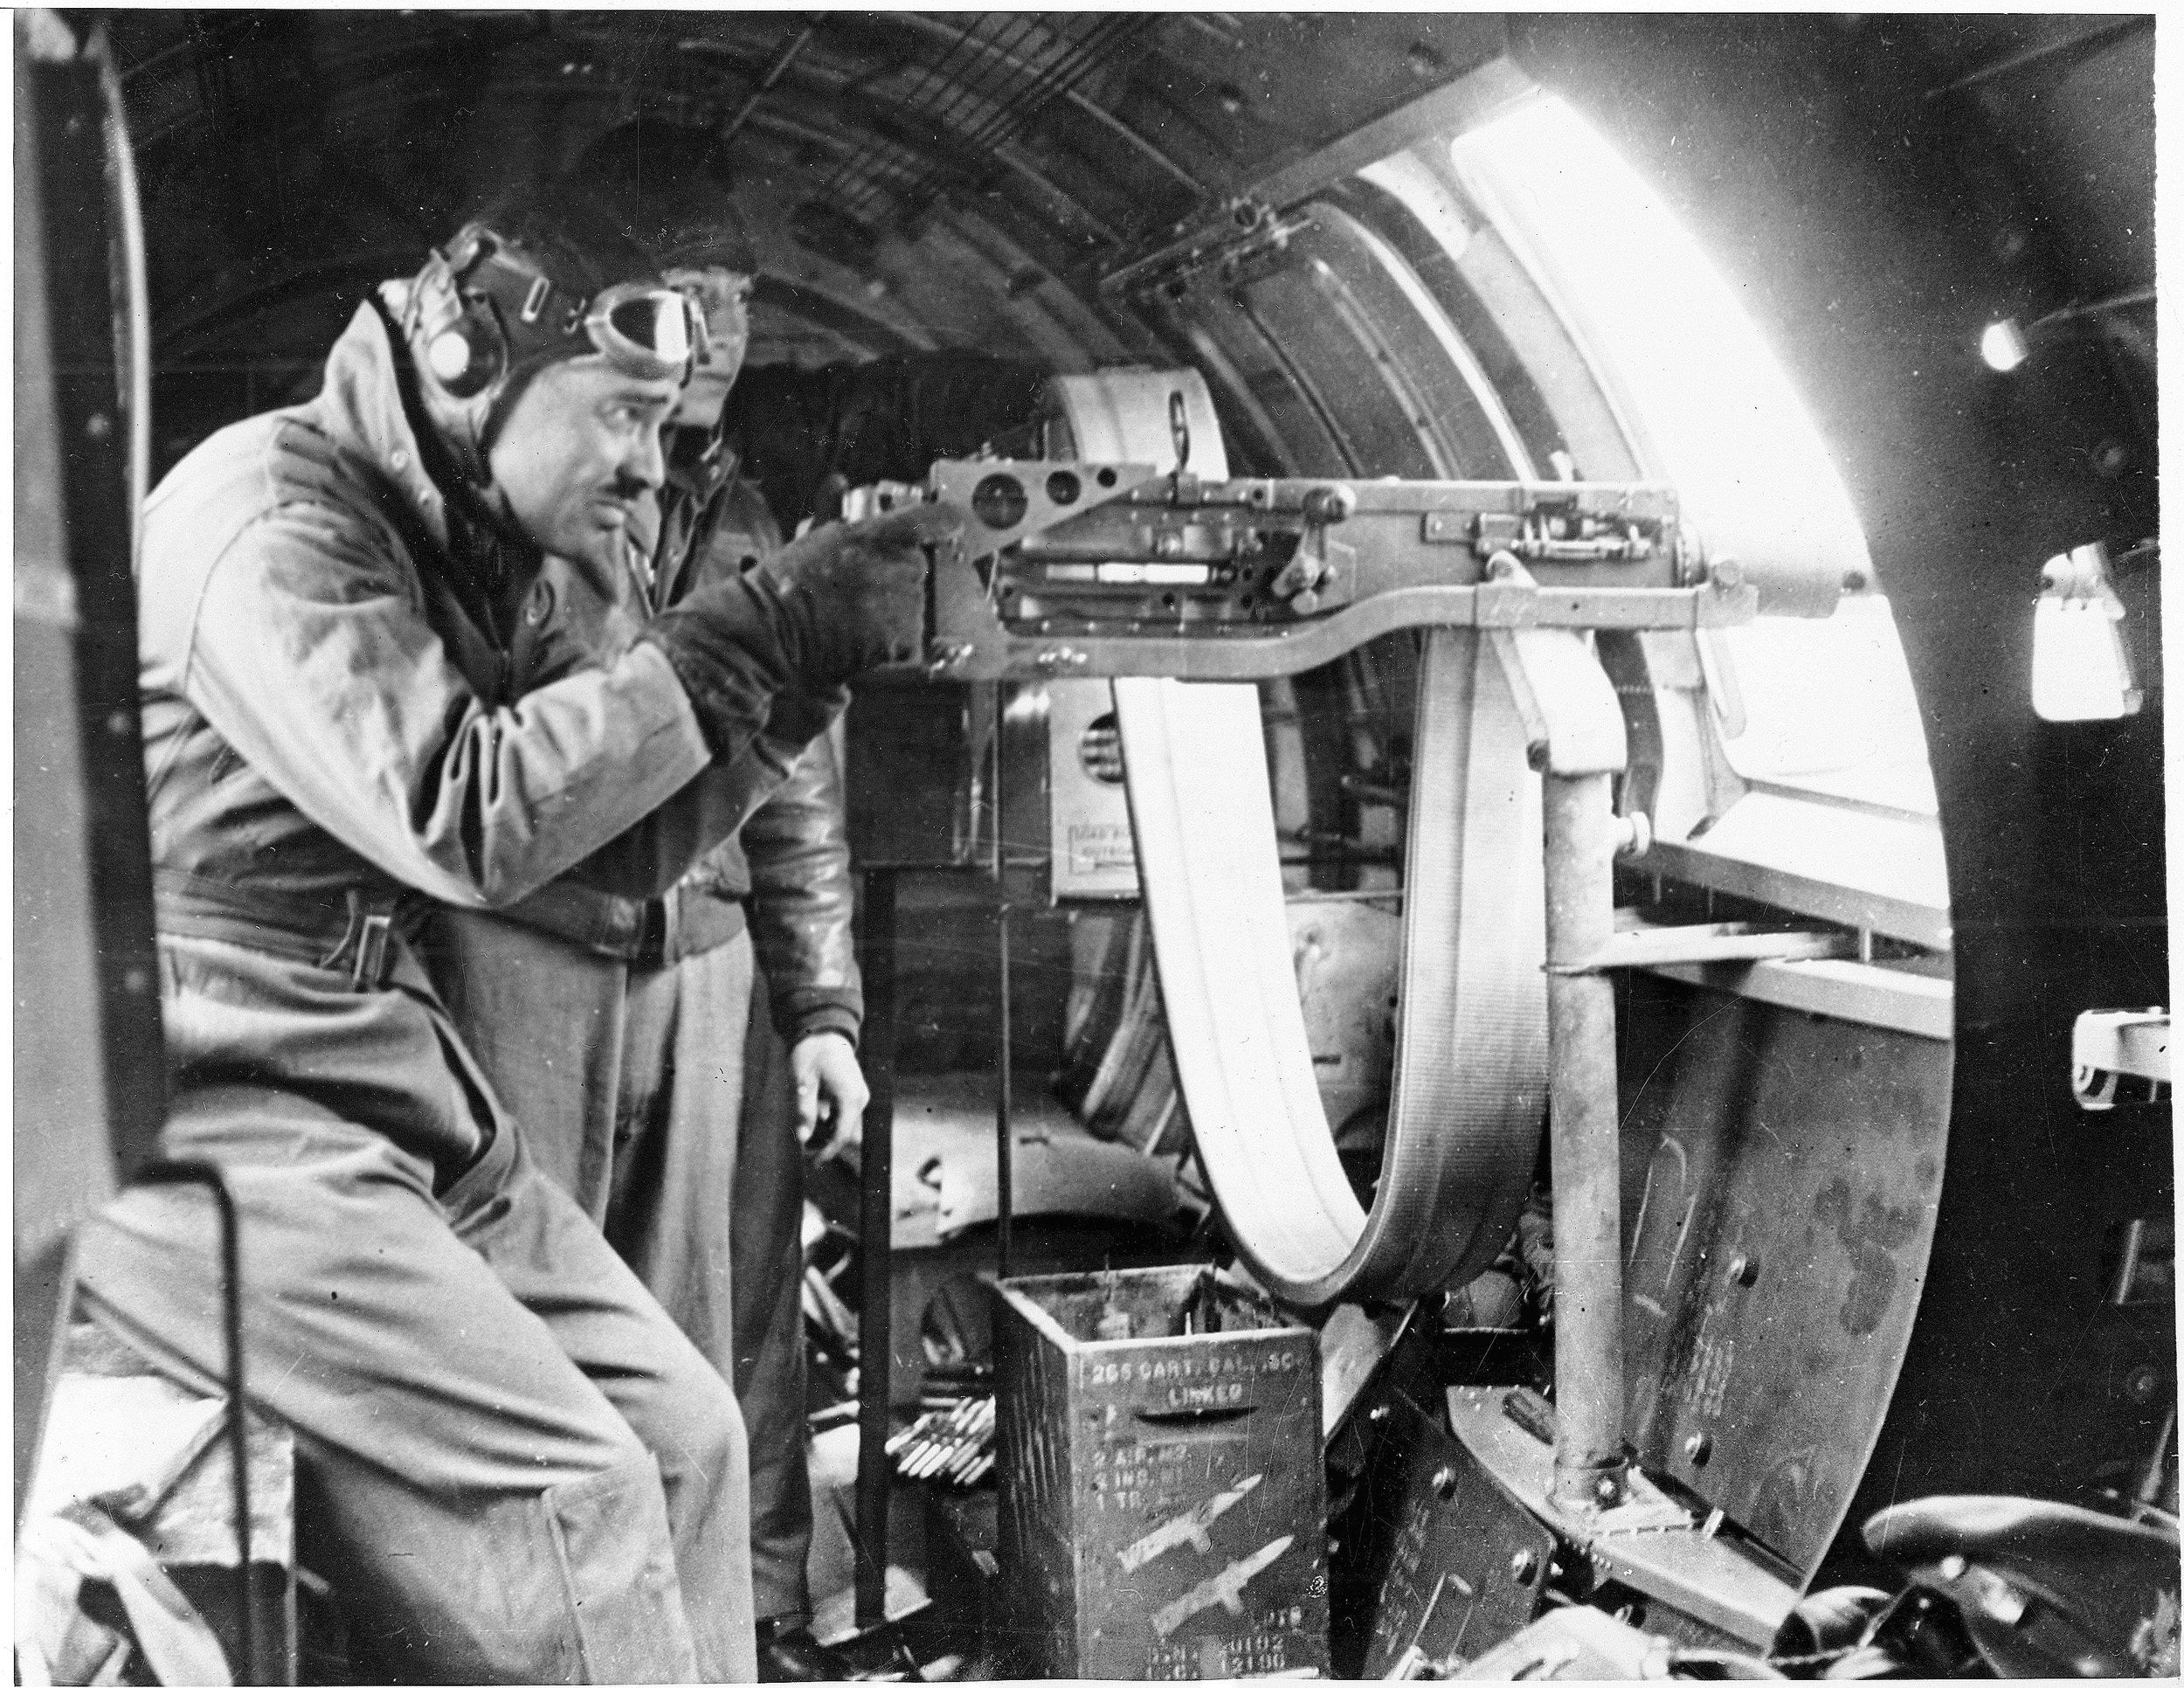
(1470, 1066)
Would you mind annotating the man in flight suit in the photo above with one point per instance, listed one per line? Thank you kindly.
(519, 1469)
(615, 1028)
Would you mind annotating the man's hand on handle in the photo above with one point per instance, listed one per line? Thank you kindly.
(845, 598)
(861, 587)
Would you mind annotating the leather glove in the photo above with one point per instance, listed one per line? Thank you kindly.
(839, 600)
(860, 588)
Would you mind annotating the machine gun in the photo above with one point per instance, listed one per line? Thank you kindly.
(1069, 568)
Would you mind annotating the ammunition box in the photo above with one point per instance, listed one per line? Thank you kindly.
(1163, 1499)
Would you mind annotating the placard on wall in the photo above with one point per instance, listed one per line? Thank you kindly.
(1088, 811)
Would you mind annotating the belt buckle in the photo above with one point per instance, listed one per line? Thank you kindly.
(372, 952)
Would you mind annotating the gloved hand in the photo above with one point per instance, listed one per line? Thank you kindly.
(861, 587)
(833, 604)
(798, 716)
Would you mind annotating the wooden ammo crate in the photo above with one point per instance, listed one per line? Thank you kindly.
(1163, 1509)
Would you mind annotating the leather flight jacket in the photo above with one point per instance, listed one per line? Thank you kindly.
(785, 875)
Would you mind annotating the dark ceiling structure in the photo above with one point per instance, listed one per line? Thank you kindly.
(922, 179)
(915, 179)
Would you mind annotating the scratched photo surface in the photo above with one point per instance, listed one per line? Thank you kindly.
(1660, 513)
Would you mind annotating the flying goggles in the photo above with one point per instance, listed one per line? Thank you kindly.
(490, 311)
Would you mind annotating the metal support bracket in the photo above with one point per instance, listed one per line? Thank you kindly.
(2108, 1047)
(1649, 1543)
(1662, 946)
(1573, 720)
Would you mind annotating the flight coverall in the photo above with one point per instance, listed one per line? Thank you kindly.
(516, 1468)
(647, 1076)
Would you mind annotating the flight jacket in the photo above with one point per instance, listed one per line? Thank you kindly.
(332, 733)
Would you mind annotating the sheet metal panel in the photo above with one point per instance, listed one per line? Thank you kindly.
(1781, 1180)
(1457, 1563)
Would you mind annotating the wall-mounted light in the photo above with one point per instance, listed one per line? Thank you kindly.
(2005, 343)
(2081, 666)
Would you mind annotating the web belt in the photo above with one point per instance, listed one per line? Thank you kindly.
(360, 939)
(1471, 1050)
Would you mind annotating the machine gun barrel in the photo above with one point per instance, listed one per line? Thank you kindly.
(1087, 569)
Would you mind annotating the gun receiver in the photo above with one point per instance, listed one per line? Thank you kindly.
(1088, 569)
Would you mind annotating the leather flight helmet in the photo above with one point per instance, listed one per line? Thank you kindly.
(492, 307)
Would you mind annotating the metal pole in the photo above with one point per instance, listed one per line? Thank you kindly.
(1590, 1469)
(1003, 1155)
(773, 73)
(875, 1365)
(1004, 1180)
(244, 1668)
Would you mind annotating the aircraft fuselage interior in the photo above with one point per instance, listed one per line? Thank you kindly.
(961, 846)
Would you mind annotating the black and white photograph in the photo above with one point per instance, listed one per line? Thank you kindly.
(880, 846)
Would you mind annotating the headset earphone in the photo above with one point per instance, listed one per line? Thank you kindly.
(466, 356)
(461, 334)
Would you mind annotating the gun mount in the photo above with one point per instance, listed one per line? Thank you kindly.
(1137, 572)
(1067, 569)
